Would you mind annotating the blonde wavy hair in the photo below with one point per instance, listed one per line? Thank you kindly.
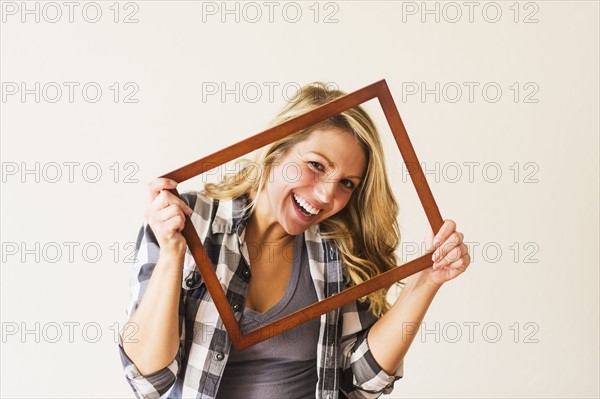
(366, 230)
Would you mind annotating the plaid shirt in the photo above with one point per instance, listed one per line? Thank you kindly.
(345, 366)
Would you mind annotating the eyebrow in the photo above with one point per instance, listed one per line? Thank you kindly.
(327, 159)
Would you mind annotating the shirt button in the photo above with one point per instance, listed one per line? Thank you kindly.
(219, 356)
(246, 273)
(236, 306)
(189, 281)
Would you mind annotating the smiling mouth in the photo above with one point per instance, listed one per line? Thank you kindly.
(303, 206)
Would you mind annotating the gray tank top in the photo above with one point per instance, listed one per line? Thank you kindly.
(284, 366)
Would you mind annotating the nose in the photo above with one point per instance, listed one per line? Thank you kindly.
(324, 191)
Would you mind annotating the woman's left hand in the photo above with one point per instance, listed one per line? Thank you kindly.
(451, 256)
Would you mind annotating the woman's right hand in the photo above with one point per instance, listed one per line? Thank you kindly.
(165, 213)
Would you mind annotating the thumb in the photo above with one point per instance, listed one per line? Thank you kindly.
(429, 239)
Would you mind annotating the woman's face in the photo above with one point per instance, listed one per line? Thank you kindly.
(315, 180)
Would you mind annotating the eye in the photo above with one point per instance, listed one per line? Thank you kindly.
(350, 185)
(316, 165)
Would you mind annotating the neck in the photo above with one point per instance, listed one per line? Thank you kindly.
(262, 227)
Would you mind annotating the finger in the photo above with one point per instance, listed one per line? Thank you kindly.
(166, 198)
(167, 213)
(160, 202)
(169, 229)
(169, 221)
(157, 185)
(454, 240)
(176, 223)
(156, 216)
(460, 264)
(454, 255)
(466, 260)
(429, 239)
(173, 199)
(447, 228)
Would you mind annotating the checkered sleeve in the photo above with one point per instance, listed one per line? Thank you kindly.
(158, 383)
(362, 377)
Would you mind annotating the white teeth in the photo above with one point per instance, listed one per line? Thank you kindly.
(306, 205)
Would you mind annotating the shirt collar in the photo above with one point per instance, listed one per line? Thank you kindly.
(230, 217)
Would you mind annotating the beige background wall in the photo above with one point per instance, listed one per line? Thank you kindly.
(511, 146)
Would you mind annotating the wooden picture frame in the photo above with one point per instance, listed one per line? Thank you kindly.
(377, 90)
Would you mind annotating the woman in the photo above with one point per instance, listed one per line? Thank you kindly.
(312, 216)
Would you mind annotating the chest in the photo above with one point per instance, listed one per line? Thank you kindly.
(271, 270)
